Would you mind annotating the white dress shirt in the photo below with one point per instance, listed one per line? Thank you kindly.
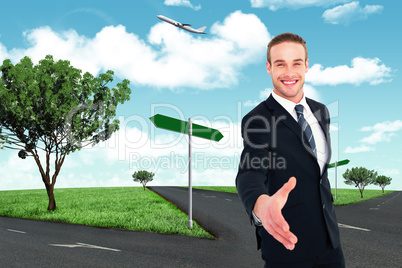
(318, 133)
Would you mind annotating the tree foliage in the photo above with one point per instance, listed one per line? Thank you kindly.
(382, 181)
(52, 107)
(359, 177)
(143, 177)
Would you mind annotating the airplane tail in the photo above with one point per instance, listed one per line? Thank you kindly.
(202, 29)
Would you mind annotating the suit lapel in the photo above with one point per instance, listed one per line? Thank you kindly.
(319, 112)
(279, 112)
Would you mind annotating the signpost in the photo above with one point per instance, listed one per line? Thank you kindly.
(173, 124)
(336, 165)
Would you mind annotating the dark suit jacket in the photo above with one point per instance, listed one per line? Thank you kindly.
(275, 150)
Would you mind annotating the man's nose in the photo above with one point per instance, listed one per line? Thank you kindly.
(288, 71)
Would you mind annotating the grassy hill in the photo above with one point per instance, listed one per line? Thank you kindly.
(129, 208)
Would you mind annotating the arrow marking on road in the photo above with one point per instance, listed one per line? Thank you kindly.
(16, 231)
(352, 227)
(82, 245)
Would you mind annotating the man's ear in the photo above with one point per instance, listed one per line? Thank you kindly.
(307, 65)
(268, 67)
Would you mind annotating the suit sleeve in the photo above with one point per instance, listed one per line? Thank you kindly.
(254, 162)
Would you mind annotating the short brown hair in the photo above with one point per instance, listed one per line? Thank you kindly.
(285, 37)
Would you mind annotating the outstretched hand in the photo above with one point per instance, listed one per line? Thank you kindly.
(268, 209)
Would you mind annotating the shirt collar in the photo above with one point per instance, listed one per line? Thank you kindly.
(290, 105)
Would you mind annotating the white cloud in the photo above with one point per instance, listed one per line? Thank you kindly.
(130, 149)
(363, 70)
(3, 53)
(263, 95)
(389, 172)
(173, 56)
(17, 173)
(311, 92)
(386, 126)
(251, 103)
(382, 132)
(293, 4)
(347, 13)
(184, 3)
(359, 149)
(377, 137)
(334, 127)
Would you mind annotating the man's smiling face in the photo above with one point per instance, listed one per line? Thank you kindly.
(287, 69)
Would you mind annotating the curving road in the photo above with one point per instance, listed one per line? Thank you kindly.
(377, 240)
(28, 243)
(370, 233)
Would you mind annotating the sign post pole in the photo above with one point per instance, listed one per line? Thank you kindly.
(336, 179)
(173, 124)
(336, 164)
(190, 189)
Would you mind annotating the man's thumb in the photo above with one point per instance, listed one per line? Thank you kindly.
(289, 186)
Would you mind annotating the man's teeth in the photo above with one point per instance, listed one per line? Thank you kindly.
(289, 82)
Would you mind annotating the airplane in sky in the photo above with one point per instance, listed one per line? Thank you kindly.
(182, 26)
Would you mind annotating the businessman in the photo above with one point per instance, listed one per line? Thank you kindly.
(282, 178)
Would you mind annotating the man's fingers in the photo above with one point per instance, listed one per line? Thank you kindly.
(274, 222)
(287, 239)
(287, 187)
(277, 225)
(279, 220)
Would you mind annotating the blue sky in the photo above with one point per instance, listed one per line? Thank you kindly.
(355, 64)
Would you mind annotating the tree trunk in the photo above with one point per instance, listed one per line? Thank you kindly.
(50, 194)
(143, 186)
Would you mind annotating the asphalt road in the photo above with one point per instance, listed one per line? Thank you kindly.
(27, 243)
(381, 246)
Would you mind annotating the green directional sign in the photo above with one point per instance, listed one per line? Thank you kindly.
(339, 163)
(173, 124)
(336, 165)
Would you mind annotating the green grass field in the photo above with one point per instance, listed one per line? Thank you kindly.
(129, 208)
(345, 196)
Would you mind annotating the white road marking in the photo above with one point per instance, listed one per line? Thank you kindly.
(82, 245)
(386, 201)
(210, 196)
(16, 231)
(352, 227)
(228, 199)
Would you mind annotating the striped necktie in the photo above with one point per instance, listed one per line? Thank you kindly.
(306, 128)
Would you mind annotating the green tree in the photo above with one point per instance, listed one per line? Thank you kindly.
(360, 177)
(382, 181)
(143, 177)
(52, 107)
